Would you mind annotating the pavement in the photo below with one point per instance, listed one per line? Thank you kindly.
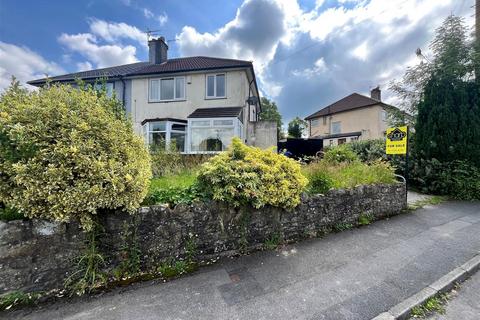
(355, 274)
(464, 302)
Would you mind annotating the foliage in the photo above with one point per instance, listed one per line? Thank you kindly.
(458, 179)
(324, 175)
(165, 162)
(66, 153)
(430, 200)
(172, 268)
(270, 112)
(9, 214)
(248, 175)
(130, 258)
(342, 226)
(297, 127)
(273, 241)
(374, 150)
(341, 153)
(448, 126)
(453, 54)
(88, 275)
(433, 304)
(13, 299)
(365, 219)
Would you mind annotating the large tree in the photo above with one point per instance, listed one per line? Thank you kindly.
(452, 53)
(296, 128)
(270, 112)
(448, 122)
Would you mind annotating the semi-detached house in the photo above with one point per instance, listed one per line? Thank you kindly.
(196, 103)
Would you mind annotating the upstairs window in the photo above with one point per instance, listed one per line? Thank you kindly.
(336, 127)
(167, 89)
(216, 86)
(315, 122)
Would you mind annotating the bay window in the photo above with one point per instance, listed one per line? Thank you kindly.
(166, 89)
(165, 134)
(216, 86)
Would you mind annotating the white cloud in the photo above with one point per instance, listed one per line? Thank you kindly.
(83, 66)
(86, 45)
(147, 13)
(162, 18)
(114, 31)
(24, 64)
(318, 68)
(361, 51)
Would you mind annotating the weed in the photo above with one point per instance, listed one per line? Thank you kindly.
(130, 264)
(433, 304)
(18, 298)
(191, 249)
(273, 241)
(431, 200)
(365, 219)
(88, 275)
(171, 268)
(8, 214)
(342, 226)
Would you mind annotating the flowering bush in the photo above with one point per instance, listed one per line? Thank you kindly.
(247, 175)
(66, 153)
(341, 153)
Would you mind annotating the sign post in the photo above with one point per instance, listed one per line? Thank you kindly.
(397, 143)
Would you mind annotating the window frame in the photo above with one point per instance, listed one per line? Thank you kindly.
(236, 125)
(224, 74)
(339, 124)
(150, 80)
(168, 132)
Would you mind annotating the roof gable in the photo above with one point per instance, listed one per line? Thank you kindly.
(350, 102)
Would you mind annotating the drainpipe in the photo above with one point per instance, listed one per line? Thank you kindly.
(123, 92)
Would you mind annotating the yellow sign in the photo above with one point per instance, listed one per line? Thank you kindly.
(396, 140)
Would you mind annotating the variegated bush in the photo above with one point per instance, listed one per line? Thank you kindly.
(248, 175)
(67, 153)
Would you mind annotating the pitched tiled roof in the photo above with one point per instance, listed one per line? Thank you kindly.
(145, 68)
(221, 112)
(350, 102)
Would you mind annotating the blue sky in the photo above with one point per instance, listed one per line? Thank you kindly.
(306, 54)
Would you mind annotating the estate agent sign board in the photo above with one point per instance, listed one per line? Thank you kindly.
(396, 142)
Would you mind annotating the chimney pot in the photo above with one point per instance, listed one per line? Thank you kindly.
(376, 93)
(157, 50)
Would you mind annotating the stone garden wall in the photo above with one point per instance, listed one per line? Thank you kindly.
(38, 255)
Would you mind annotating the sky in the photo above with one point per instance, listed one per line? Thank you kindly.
(306, 53)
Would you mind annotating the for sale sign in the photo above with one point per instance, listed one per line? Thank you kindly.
(396, 140)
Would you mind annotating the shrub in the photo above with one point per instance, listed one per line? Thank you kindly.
(369, 150)
(66, 153)
(458, 179)
(165, 162)
(247, 175)
(341, 153)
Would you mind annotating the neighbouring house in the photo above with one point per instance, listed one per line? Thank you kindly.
(355, 117)
(197, 103)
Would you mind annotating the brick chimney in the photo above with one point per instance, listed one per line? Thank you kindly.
(376, 93)
(157, 50)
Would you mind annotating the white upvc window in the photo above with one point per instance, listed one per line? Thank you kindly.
(212, 135)
(216, 86)
(166, 89)
(336, 127)
(164, 134)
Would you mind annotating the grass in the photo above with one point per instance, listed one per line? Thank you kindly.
(173, 188)
(324, 175)
(431, 200)
(183, 179)
(434, 304)
(273, 241)
(18, 298)
(7, 214)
